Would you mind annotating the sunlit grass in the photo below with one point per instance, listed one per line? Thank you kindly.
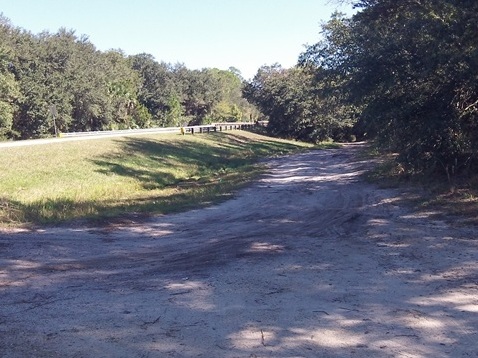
(106, 178)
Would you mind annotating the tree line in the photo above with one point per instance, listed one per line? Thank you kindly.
(61, 74)
(403, 73)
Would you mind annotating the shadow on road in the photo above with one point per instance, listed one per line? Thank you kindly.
(309, 262)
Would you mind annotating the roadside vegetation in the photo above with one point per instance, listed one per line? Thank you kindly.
(454, 200)
(64, 75)
(108, 178)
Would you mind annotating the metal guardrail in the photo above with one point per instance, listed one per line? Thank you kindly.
(183, 130)
(218, 127)
(120, 132)
(126, 132)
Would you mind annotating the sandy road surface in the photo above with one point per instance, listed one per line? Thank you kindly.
(307, 262)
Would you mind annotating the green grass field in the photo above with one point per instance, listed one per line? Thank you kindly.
(102, 179)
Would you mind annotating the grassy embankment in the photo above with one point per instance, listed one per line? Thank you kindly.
(108, 178)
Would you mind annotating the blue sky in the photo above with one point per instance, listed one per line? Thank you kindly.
(245, 34)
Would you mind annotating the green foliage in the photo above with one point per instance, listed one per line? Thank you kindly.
(174, 115)
(94, 90)
(296, 105)
(226, 112)
(201, 95)
(9, 93)
(141, 116)
(158, 86)
(233, 107)
(410, 67)
(175, 95)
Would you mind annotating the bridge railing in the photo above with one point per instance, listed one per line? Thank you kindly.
(207, 128)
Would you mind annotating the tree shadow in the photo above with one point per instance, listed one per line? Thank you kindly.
(347, 275)
(150, 161)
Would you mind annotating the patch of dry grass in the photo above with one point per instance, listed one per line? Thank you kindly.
(456, 200)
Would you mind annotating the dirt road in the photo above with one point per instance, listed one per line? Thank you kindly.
(308, 262)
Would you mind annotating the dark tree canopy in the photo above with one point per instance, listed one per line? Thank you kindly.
(414, 72)
(403, 73)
